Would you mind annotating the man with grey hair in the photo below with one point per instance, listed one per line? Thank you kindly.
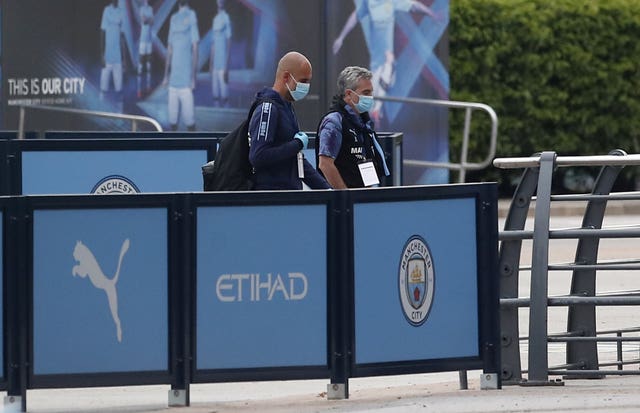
(348, 153)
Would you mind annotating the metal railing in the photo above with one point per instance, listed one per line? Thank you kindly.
(469, 107)
(133, 118)
(581, 337)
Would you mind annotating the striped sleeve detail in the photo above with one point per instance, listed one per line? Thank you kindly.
(264, 121)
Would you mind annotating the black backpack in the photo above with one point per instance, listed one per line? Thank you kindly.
(230, 170)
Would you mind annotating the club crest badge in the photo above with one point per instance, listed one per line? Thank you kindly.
(416, 280)
(115, 184)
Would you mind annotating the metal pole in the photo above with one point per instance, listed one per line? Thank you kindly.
(21, 124)
(465, 145)
(597, 160)
(619, 348)
(110, 115)
(464, 384)
(397, 161)
(538, 351)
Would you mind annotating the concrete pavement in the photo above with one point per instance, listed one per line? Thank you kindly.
(415, 393)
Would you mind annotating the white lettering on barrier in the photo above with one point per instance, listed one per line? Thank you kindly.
(257, 287)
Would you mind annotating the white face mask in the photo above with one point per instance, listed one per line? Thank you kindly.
(301, 90)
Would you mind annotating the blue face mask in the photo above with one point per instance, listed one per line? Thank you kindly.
(364, 104)
(301, 89)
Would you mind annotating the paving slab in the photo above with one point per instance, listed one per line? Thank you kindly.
(413, 393)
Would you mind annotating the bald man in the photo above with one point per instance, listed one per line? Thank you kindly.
(276, 139)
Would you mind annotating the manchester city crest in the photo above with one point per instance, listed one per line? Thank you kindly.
(416, 280)
(115, 184)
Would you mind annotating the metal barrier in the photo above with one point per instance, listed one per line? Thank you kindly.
(203, 290)
(133, 118)
(469, 107)
(581, 337)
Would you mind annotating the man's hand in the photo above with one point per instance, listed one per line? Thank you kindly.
(303, 138)
(330, 172)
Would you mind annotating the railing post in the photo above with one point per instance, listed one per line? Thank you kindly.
(17, 307)
(582, 318)
(538, 334)
(462, 378)
(465, 145)
(340, 310)
(509, 266)
(182, 280)
(619, 349)
(21, 123)
(397, 161)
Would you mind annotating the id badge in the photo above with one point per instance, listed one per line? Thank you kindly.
(368, 173)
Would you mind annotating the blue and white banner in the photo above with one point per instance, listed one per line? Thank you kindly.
(406, 46)
(100, 294)
(261, 286)
(416, 285)
(108, 172)
(231, 51)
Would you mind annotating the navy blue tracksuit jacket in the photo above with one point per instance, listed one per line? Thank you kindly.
(273, 151)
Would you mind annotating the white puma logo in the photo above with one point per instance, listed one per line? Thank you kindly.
(87, 265)
(354, 134)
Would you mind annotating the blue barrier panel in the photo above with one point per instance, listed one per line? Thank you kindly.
(261, 286)
(100, 290)
(416, 291)
(110, 166)
(2, 281)
(58, 172)
(425, 280)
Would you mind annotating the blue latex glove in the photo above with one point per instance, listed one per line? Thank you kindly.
(302, 137)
